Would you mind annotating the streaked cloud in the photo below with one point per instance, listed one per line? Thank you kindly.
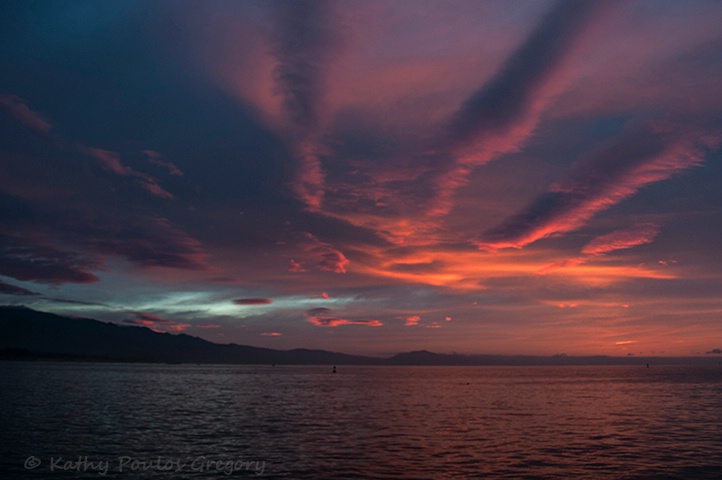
(325, 317)
(500, 116)
(253, 301)
(641, 155)
(621, 239)
(18, 108)
(304, 42)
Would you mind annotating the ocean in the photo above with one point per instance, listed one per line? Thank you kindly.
(92, 420)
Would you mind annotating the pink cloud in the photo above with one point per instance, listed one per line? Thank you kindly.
(329, 258)
(17, 108)
(642, 155)
(310, 178)
(155, 158)
(304, 44)
(111, 161)
(621, 239)
(502, 114)
(156, 323)
(271, 334)
(152, 318)
(296, 267)
(323, 317)
(178, 327)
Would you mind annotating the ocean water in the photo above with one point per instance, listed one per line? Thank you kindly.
(76, 420)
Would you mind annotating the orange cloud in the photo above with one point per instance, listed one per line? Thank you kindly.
(412, 321)
(621, 239)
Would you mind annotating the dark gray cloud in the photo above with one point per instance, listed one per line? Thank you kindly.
(23, 260)
(509, 95)
(10, 289)
(305, 39)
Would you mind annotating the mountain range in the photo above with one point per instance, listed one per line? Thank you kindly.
(27, 334)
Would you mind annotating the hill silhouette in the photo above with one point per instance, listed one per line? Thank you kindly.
(27, 334)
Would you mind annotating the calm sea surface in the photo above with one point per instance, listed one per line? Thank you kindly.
(75, 420)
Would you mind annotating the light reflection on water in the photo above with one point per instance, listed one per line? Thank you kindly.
(363, 422)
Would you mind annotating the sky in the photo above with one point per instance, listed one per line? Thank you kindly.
(370, 177)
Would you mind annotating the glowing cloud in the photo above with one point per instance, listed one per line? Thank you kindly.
(324, 317)
(621, 239)
(412, 321)
(642, 155)
(156, 323)
(503, 113)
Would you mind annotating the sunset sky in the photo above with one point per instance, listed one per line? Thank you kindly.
(369, 177)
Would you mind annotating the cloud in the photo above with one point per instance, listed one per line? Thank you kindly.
(304, 43)
(412, 321)
(155, 158)
(296, 267)
(271, 334)
(253, 301)
(643, 154)
(17, 108)
(149, 242)
(501, 115)
(111, 162)
(621, 239)
(9, 289)
(149, 317)
(156, 323)
(324, 317)
(715, 351)
(26, 261)
(329, 258)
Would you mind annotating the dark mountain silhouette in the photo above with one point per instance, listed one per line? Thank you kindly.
(27, 334)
